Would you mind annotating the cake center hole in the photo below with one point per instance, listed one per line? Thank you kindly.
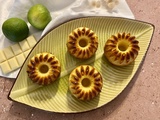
(83, 42)
(43, 69)
(123, 46)
(86, 82)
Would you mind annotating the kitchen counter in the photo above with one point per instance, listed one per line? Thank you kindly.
(140, 100)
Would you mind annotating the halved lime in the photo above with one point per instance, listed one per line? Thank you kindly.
(39, 16)
(15, 29)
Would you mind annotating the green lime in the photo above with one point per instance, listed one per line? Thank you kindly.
(15, 29)
(39, 16)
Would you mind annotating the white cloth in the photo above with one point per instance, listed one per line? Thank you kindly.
(61, 11)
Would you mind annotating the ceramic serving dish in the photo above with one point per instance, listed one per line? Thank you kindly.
(57, 97)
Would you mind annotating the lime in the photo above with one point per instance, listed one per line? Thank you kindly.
(39, 16)
(15, 29)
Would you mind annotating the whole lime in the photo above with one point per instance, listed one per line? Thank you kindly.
(39, 16)
(15, 29)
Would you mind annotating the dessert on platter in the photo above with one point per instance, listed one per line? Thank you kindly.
(82, 43)
(121, 49)
(44, 68)
(85, 82)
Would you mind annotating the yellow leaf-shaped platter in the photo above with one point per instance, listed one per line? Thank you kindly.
(57, 97)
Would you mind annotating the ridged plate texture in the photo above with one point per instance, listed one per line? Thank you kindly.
(57, 97)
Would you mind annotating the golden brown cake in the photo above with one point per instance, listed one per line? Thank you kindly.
(82, 43)
(85, 82)
(121, 49)
(43, 68)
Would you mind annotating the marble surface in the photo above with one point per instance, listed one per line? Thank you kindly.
(139, 101)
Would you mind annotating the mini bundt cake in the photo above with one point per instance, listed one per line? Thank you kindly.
(85, 82)
(82, 43)
(43, 68)
(121, 49)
